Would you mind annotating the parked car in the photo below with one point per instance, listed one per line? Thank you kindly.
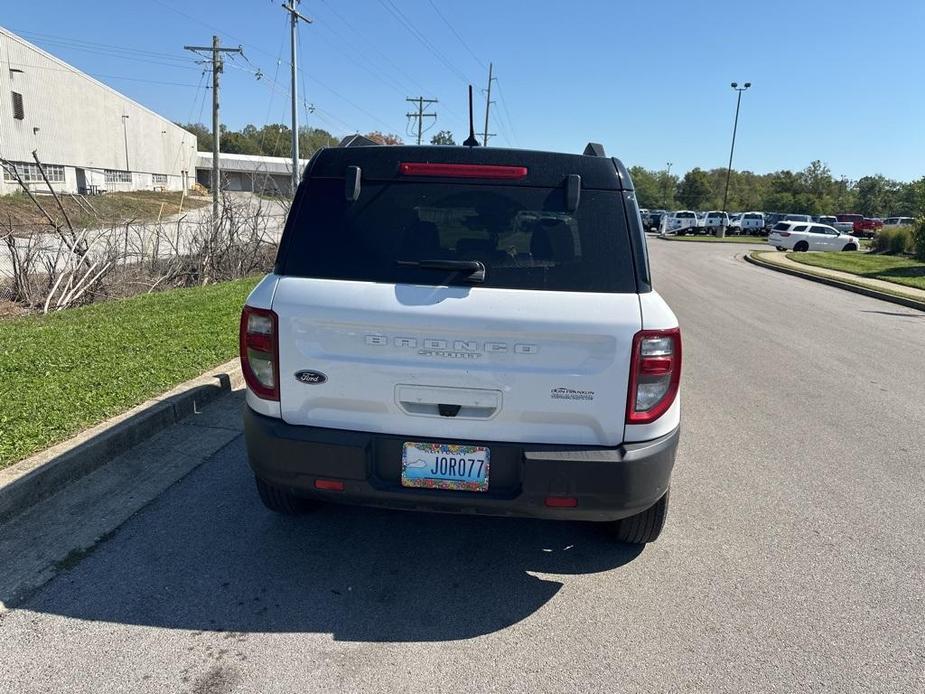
(799, 236)
(715, 219)
(797, 218)
(751, 223)
(654, 219)
(868, 227)
(832, 221)
(680, 222)
(898, 221)
(427, 343)
(772, 218)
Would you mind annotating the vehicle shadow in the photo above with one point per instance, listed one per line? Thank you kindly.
(207, 556)
(896, 313)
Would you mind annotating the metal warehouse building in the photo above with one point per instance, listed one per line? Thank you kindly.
(89, 137)
(248, 172)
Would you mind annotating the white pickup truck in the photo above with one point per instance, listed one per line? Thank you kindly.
(680, 222)
(464, 329)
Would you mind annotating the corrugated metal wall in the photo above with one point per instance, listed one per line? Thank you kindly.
(73, 120)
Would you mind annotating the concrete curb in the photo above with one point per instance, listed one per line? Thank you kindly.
(832, 282)
(758, 240)
(41, 475)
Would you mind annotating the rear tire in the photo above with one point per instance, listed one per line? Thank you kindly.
(801, 247)
(643, 527)
(281, 500)
(850, 247)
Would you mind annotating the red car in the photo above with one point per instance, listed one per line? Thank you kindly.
(861, 225)
(868, 227)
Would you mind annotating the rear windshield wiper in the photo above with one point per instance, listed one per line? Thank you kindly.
(473, 269)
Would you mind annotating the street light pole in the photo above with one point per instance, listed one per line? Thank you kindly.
(667, 182)
(735, 127)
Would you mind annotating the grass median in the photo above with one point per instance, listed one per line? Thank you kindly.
(889, 268)
(63, 372)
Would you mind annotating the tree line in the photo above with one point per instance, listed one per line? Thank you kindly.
(811, 191)
(274, 139)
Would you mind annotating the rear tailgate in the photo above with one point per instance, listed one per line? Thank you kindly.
(534, 347)
(454, 362)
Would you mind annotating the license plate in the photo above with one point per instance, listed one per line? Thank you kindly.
(445, 466)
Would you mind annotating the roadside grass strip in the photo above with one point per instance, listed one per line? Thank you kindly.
(889, 268)
(63, 372)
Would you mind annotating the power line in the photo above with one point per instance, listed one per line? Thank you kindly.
(179, 63)
(507, 113)
(94, 44)
(97, 75)
(457, 35)
(408, 24)
(369, 45)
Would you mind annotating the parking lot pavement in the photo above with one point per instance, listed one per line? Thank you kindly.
(793, 559)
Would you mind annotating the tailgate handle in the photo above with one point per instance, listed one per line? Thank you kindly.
(445, 410)
(436, 401)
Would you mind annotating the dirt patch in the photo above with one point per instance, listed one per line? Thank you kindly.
(19, 214)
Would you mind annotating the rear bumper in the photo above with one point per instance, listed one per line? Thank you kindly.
(608, 482)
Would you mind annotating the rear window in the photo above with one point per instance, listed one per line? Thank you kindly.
(781, 226)
(523, 236)
(686, 215)
(753, 216)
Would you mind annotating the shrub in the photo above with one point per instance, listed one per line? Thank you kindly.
(881, 242)
(893, 240)
(918, 238)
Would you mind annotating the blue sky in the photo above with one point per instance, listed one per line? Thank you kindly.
(842, 81)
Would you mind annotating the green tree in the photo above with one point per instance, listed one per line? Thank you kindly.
(444, 137)
(646, 186)
(203, 135)
(694, 191)
(872, 193)
(384, 138)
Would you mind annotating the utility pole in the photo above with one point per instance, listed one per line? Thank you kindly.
(420, 115)
(294, 18)
(217, 66)
(735, 127)
(488, 103)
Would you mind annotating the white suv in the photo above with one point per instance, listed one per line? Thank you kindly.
(464, 329)
(798, 236)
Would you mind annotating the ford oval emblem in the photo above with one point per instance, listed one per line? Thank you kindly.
(312, 378)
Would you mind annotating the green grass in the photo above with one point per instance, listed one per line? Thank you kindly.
(890, 268)
(727, 239)
(64, 372)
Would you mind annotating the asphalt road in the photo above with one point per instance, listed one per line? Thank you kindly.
(792, 560)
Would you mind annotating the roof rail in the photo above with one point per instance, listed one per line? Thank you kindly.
(593, 149)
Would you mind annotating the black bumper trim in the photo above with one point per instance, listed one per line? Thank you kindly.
(609, 482)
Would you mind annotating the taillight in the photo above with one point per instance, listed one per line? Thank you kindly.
(655, 374)
(259, 345)
(783, 233)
